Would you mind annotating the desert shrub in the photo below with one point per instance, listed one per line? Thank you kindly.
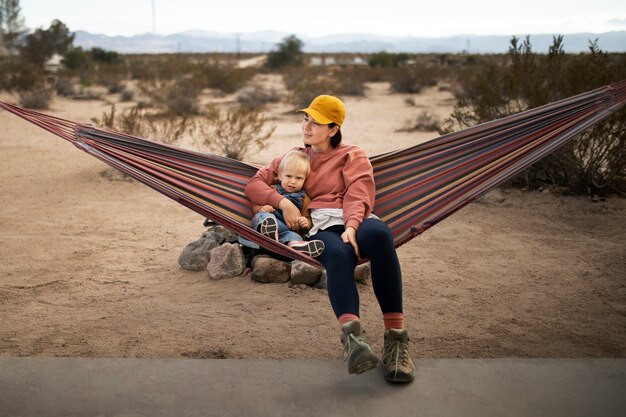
(38, 97)
(111, 77)
(103, 56)
(225, 78)
(76, 59)
(304, 84)
(177, 97)
(351, 81)
(387, 60)
(138, 122)
(22, 76)
(412, 79)
(256, 96)
(127, 94)
(593, 162)
(64, 86)
(235, 132)
(425, 121)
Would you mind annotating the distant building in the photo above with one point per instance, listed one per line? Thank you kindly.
(54, 64)
(318, 61)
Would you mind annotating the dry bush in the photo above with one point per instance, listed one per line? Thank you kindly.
(256, 96)
(36, 98)
(304, 84)
(225, 78)
(64, 86)
(177, 97)
(112, 77)
(235, 132)
(351, 81)
(425, 121)
(127, 94)
(137, 121)
(412, 79)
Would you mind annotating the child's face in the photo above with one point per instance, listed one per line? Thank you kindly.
(292, 179)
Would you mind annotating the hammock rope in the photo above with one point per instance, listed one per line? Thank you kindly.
(416, 187)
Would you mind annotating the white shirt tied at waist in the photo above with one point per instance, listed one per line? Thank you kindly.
(326, 217)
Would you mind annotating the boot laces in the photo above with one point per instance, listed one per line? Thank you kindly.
(351, 343)
(396, 353)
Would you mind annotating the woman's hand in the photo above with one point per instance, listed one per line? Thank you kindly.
(349, 236)
(290, 213)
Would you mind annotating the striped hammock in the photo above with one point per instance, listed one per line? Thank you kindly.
(416, 187)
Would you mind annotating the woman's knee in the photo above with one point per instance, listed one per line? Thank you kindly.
(373, 230)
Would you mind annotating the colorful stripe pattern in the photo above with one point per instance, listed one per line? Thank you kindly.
(416, 187)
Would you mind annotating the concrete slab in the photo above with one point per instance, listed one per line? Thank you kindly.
(230, 387)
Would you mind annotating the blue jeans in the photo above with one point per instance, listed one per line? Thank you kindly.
(284, 234)
(376, 243)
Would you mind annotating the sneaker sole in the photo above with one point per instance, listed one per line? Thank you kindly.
(312, 248)
(269, 228)
(364, 366)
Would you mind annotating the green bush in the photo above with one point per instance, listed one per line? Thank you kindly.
(387, 60)
(288, 53)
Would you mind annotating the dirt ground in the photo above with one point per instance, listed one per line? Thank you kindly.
(89, 265)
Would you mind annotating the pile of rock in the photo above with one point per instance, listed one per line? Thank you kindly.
(219, 253)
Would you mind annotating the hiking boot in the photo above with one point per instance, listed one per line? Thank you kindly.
(312, 248)
(396, 361)
(356, 349)
(269, 228)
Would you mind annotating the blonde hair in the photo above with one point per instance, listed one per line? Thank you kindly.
(297, 160)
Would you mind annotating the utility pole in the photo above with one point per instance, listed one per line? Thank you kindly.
(153, 18)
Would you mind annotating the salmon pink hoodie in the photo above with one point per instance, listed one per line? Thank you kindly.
(340, 177)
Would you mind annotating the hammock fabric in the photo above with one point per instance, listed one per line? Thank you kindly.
(416, 187)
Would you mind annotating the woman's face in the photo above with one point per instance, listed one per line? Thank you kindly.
(317, 135)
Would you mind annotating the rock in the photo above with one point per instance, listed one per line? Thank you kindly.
(220, 234)
(269, 270)
(363, 273)
(303, 273)
(227, 261)
(196, 255)
(322, 283)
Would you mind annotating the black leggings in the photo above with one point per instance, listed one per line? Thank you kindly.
(376, 243)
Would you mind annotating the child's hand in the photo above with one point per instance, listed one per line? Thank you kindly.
(266, 209)
(303, 222)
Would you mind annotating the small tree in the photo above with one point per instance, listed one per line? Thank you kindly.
(11, 25)
(40, 45)
(289, 52)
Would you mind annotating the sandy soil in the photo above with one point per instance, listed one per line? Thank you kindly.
(89, 265)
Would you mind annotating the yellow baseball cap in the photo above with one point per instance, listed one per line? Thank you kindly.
(326, 109)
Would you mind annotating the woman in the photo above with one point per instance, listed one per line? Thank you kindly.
(341, 188)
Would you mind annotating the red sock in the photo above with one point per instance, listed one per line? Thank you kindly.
(393, 321)
(346, 318)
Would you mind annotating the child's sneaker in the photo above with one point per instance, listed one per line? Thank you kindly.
(312, 248)
(269, 228)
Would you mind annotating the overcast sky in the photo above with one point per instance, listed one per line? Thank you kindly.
(396, 18)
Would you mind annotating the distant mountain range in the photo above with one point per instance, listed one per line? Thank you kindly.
(254, 42)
